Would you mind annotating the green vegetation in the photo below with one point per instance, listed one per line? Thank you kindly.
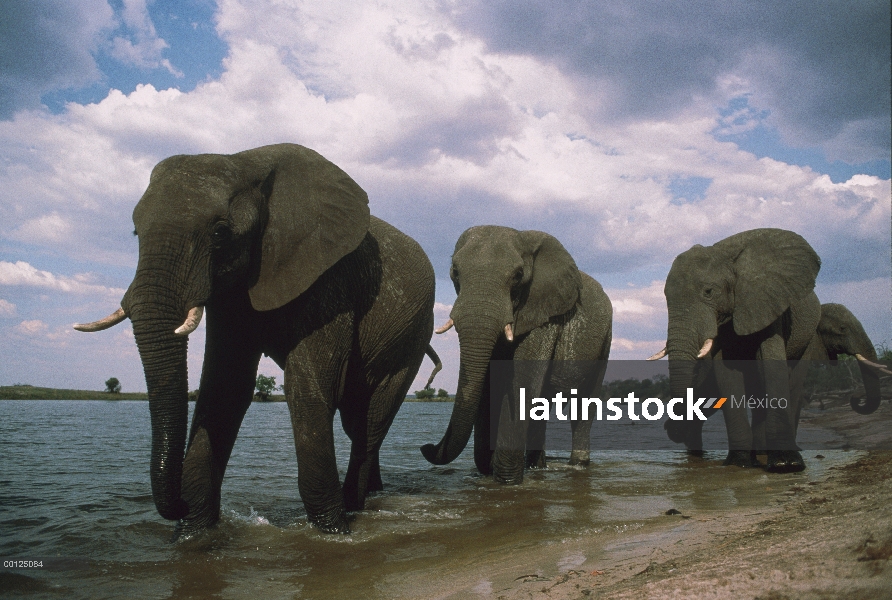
(429, 395)
(113, 386)
(265, 386)
(657, 387)
(30, 392)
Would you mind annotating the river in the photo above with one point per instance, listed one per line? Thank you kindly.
(75, 495)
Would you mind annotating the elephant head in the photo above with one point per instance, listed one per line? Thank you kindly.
(508, 283)
(744, 282)
(840, 332)
(215, 230)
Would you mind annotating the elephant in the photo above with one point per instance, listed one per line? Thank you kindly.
(838, 332)
(520, 297)
(277, 245)
(748, 304)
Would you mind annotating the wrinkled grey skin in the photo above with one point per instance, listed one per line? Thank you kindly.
(525, 279)
(838, 332)
(752, 294)
(277, 244)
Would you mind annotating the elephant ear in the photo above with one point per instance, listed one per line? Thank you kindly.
(316, 215)
(774, 268)
(554, 285)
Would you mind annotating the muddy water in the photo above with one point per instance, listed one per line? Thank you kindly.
(75, 494)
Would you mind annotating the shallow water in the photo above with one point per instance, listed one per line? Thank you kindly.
(75, 493)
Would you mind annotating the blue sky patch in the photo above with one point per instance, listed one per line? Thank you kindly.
(688, 189)
(194, 51)
(746, 126)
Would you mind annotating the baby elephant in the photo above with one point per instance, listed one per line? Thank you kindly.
(520, 298)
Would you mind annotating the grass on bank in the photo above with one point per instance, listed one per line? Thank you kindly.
(31, 392)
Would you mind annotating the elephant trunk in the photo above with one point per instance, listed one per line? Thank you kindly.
(685, 343)
(477, 338)
(156, 310)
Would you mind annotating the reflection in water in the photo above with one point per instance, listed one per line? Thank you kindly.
(79, 489)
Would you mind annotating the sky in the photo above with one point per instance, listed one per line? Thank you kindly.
(630, 131)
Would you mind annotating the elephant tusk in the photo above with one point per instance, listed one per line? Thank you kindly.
(191, 322)
(877, 366)
(707, 346)
(445, 327)
(109, 321)
(659, 354)
(509, 333)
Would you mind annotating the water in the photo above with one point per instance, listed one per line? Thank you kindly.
(75, 493)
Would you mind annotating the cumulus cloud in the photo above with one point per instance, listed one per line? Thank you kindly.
(614, 138)
(23, 274)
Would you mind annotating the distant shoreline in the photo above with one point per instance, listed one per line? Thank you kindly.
(30, 392)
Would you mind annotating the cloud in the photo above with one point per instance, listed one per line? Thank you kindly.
(637, 304)
(612, 137)
(23, 274)
(47, 46)
(47, 228)
(7, 309)
(145, 49)
(32, 328)
(642, 60)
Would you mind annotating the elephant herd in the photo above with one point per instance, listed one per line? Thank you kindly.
(276, 245)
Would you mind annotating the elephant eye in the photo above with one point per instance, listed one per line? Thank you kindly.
(707, 293)
(221, 233)
(453, 273)
(518, 276)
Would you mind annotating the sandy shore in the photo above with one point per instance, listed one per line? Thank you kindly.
(825, 536)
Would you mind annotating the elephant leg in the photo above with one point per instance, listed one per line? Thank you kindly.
(225, 394)
(780, 425)
(535, 445)
(309, 388)
(375, 483)
(731, 380)
(366, 422)
(483, 434)
(580, 454)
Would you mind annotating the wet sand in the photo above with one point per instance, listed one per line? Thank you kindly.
(828, 536)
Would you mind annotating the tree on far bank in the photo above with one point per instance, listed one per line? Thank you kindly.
(265, 386)
(113, 386)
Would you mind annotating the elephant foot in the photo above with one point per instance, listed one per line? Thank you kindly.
(508, 480)
(189, 527)
(580, 457)
(785, 461)
(339, 523)
(741, 458)
(536, 460)
(698, 452)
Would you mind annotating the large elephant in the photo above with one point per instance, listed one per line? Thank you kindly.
(277, 246)
(748, 303)
(838, 332)
(520, 298)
